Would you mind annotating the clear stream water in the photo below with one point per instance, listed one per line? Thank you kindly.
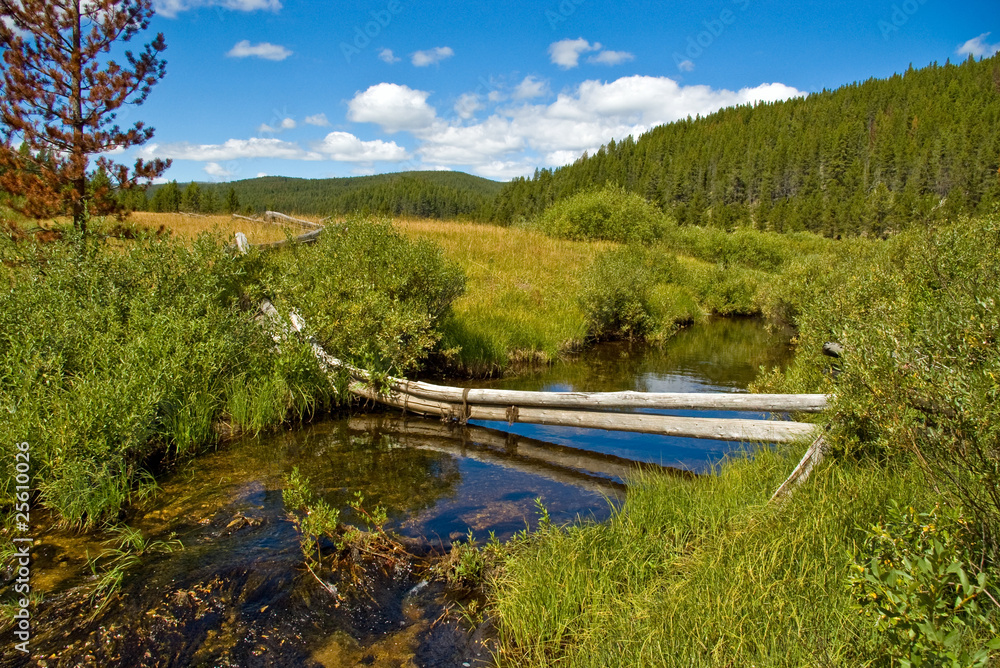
(237, 594)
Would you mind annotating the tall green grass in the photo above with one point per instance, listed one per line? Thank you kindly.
(704, 572)
(113, 354)
(521, 304)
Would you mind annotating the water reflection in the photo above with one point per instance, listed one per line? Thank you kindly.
(723, 355)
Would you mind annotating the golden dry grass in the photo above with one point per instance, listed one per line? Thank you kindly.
(521, 300)
(189, 227)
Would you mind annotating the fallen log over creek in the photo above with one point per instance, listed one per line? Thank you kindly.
(531, 406)
(589, 410)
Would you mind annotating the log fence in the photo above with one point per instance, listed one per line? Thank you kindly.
(591, 410)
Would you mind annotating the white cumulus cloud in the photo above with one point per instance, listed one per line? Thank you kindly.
(217, 171)
(319, 120)
(531, 87)
(392, 106)
(285, 124)
(566, 52)
(232, 149)
(265, 50)
(345, 147)
(468, 104)
(431, 56)
(470, 144)
(978, 47)
(610, 57)
(387, 56)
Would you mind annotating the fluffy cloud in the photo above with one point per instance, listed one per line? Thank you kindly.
(217, 171)
(431, 56)
(467, 105)
(265, 50)
(170, 8)
(345, 147)
(978, 47)
(514, 139)
(392, 106)
(319, 120)
(256, 147)
(387, 56)
(469, 144)
(611, 57)
(505, 169)
(531, 87)
(566, 52)
(285, 124)
(338, 146)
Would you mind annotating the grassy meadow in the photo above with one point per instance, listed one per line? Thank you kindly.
(188, 227)
(522, 294)
(120, 351)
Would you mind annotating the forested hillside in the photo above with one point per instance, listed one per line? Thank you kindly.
(870, 157)
(412, 194)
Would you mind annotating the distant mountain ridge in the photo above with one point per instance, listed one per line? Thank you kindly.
(430, 194)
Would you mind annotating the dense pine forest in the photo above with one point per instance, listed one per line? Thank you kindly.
(412, 194)
(869, 157)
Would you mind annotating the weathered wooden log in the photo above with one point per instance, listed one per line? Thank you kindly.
(306, 238)
(723, 429)
(242, 243)
(728, 401)
(274, 216)
(252, 220)
(809, 461)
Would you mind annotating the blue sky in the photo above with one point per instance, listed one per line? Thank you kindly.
(321, 89)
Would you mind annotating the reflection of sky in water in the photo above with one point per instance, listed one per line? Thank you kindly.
(493, 497)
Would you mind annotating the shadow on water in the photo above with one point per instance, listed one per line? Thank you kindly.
(237, 595)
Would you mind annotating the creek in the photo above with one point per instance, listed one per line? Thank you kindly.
(238, 594)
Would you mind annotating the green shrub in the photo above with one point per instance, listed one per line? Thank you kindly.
(370, 295)
(611, 213)
(915, 581)
(617, 293)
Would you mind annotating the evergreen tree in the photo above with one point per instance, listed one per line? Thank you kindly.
(61, 90)
(232, 201)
